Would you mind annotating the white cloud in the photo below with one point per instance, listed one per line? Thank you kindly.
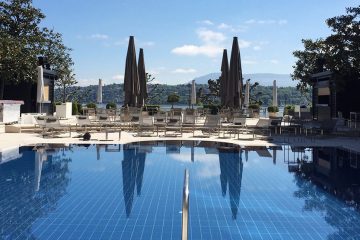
(118, 77)
(274, 61)
(148, 44)
(193, 50)
(224, 26)
(268, 21)
(206, 22)
(227, 27)
(209, 36)
(243, 43)
(212, 44)
(99, 36)
(184, 70)
(87, 81)
(257, 48)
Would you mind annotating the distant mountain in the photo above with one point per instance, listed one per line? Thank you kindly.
(264, 79)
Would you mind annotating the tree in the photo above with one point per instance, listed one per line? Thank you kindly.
(173, 98)
(22, 41)
(154, 91)
(338, 53)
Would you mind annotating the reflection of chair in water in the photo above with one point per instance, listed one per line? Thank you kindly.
(133, 166)
(231, 168)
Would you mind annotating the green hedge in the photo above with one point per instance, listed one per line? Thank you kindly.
(273, 109)
(111, 105)
(91, 105)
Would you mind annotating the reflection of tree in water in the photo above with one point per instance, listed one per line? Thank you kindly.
(338, 180)
(133, 170)
(231, 168)
(20, 204)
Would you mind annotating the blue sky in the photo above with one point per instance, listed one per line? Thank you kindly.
(184, 39)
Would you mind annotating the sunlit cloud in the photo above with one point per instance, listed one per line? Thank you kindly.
(87, 81)
(184, 70)
(206, 22)
(227, 27)
(209, 36)
(193, 50)
(274, 61)
(118, 77)
(99, 36)
(268, 21)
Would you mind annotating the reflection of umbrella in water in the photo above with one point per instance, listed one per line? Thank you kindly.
(131, 76)
(133, 170)
(40, 157)
(141, 156)
(231, 168)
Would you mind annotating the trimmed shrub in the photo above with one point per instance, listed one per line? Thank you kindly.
(91, 105)
(273, 109)
(254, 106)
(111, 105)
(289, 110)
(75, 110)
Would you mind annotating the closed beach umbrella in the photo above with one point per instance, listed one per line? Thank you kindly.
(247, 94)
(40, 86)
(131, 76)
(99, 92)
(193, 92)
(235, 76)
(142, 79)
(224, 78)
(274, 102)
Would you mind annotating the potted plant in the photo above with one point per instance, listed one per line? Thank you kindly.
(111, 105)
(255, 110)
(289, 110)
(273, 111)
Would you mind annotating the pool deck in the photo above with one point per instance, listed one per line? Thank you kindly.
(12, 140)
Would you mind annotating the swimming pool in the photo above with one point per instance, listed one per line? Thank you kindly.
(134, 191)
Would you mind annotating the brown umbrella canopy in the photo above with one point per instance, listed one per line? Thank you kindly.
(224, 78)
(142, 79)
(131, 78)
(235, 77)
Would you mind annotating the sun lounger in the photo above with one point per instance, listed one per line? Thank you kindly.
(146, 126)
(262, 127)
(173, 126)
(53, 126)
(211, 126)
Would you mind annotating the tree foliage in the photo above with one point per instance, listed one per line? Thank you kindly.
(22, 40)
(339, 52)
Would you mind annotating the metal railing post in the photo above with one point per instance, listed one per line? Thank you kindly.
(185, 207)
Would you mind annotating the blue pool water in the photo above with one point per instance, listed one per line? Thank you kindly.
(134, 191)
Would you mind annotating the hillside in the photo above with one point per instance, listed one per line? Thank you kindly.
(114, 93)
(264, 79)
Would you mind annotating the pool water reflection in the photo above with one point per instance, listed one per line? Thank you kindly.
(134, 191)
